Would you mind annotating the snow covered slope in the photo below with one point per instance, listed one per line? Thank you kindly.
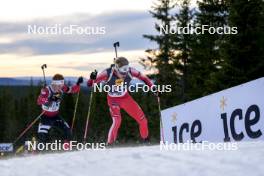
(145, 161)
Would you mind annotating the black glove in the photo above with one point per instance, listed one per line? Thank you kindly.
(93, 75)
(80, 81)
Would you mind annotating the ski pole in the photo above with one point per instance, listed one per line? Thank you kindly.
(43, 70)
(161, 124)
(116, 44)
(29, 126)
(88, 117)
(75, 110)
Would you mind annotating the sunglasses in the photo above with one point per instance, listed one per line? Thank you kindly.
(124, 69)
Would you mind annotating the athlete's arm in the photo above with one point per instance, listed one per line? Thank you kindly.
(72, 89)
(100, 77)
(140, 76)
(43, 97)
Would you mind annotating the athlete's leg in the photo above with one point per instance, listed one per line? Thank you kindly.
(43, 129)
(62, 124)
(116, 117)
(134, 110)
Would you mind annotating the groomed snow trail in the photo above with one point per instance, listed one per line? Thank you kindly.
(144, 161)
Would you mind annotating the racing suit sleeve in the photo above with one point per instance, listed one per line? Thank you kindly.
(137, 74)
(43, 97)
(100, 77)
(71, 90)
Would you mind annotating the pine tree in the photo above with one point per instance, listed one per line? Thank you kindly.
(183, 42)
(244, 51)
(205, 53)
(162, 57)
(161, 12)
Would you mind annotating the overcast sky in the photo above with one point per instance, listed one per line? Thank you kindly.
(21, 54)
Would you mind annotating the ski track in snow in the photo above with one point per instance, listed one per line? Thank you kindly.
(145, 161)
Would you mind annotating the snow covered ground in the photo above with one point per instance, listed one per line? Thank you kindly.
(147, 161)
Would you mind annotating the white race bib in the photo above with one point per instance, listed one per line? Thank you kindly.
(55, 106)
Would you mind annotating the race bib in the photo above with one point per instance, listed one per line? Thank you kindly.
(55, 106)
(119, 89)
(119, 82)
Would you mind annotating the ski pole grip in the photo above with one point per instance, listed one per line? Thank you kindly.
(44, 66)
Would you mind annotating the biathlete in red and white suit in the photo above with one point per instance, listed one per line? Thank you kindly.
(122, 74)
(50, 99)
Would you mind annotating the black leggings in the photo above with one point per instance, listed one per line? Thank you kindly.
(46, 123)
